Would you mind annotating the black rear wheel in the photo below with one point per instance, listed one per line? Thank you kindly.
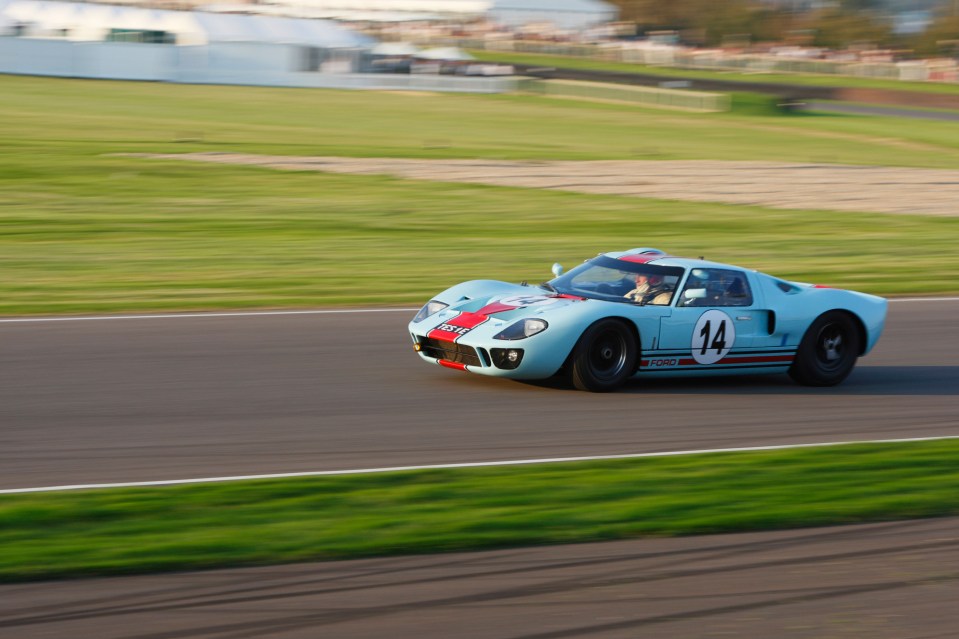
(604, 357)
(828, 351)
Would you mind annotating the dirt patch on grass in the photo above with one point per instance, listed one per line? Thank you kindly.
(771, 184)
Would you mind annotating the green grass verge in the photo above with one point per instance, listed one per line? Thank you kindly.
(228, 237)
(807, 79)
(118, 531)
(82, 231)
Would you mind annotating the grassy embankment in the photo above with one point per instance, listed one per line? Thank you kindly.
(121, 531)
(84, 231)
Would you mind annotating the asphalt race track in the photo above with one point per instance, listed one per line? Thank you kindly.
(151, 399)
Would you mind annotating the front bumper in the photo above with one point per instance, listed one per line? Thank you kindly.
(537, 357)
(461, 356)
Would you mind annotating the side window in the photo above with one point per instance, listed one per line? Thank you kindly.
(716, 287)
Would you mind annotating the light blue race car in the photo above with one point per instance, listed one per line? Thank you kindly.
(647, 314)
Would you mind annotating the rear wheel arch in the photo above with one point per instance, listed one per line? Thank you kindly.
(857, 322)
(829, 349)
(861, 328)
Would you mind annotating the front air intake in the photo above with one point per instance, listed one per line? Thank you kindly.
(450, 351)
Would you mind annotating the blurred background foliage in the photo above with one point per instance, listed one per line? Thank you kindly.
(836, 25)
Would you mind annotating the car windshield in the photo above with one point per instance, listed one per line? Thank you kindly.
(613, 280)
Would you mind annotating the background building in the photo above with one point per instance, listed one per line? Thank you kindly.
(85, 40)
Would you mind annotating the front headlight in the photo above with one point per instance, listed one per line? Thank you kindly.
(431, 307)
(522, 329)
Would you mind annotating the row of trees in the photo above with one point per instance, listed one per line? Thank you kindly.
(836, 25)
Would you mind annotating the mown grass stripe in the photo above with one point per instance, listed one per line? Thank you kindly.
(480, 464)
(138, 530)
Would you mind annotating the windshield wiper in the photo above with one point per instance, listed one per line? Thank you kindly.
(548, 287)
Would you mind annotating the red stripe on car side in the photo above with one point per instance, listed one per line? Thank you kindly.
(742, 360)
(667, 361)
(757, 360)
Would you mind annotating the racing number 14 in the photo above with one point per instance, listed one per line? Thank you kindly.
(713, 337)
(719, 339)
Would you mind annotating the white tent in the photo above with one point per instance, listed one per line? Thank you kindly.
(83, 21)
(394, 49)
(449, 54)
(566, 14)
(7, 22)
(86, 21)
(224, 27)
(434, 8)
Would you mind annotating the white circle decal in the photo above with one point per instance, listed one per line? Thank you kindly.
(713, 336)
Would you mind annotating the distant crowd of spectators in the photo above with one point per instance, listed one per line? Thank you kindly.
(618, 42)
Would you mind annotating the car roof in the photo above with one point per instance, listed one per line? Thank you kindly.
(655, 256)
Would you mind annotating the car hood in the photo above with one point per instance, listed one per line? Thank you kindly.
(522, 301)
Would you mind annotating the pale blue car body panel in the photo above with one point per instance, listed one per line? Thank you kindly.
(767, 332)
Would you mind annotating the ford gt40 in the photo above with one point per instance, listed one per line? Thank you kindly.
(643, 313)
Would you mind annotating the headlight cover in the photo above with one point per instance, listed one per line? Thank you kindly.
(522, 329)
(430, 308)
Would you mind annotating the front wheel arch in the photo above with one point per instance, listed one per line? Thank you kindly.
(564, 368)
(606, 354)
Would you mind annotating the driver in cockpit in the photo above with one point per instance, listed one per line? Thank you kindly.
(650, 289)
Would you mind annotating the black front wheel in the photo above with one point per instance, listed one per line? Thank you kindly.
(604, 357)
(828, 351)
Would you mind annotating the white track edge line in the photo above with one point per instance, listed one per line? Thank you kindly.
(93, 318)
(516, 462)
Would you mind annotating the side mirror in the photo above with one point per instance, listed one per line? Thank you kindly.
(558, 270)
(694, 294)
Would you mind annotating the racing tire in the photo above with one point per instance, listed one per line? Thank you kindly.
(604, 357)
(828, 351)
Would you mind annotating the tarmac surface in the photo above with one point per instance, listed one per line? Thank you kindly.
(895, 580)
(174, 398)
(167, 398)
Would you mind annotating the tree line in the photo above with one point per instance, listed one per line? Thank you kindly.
(838, 25)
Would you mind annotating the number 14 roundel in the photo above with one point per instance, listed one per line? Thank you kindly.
(713, 337)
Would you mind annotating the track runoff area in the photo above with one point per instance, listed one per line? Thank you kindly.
(358, 471)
